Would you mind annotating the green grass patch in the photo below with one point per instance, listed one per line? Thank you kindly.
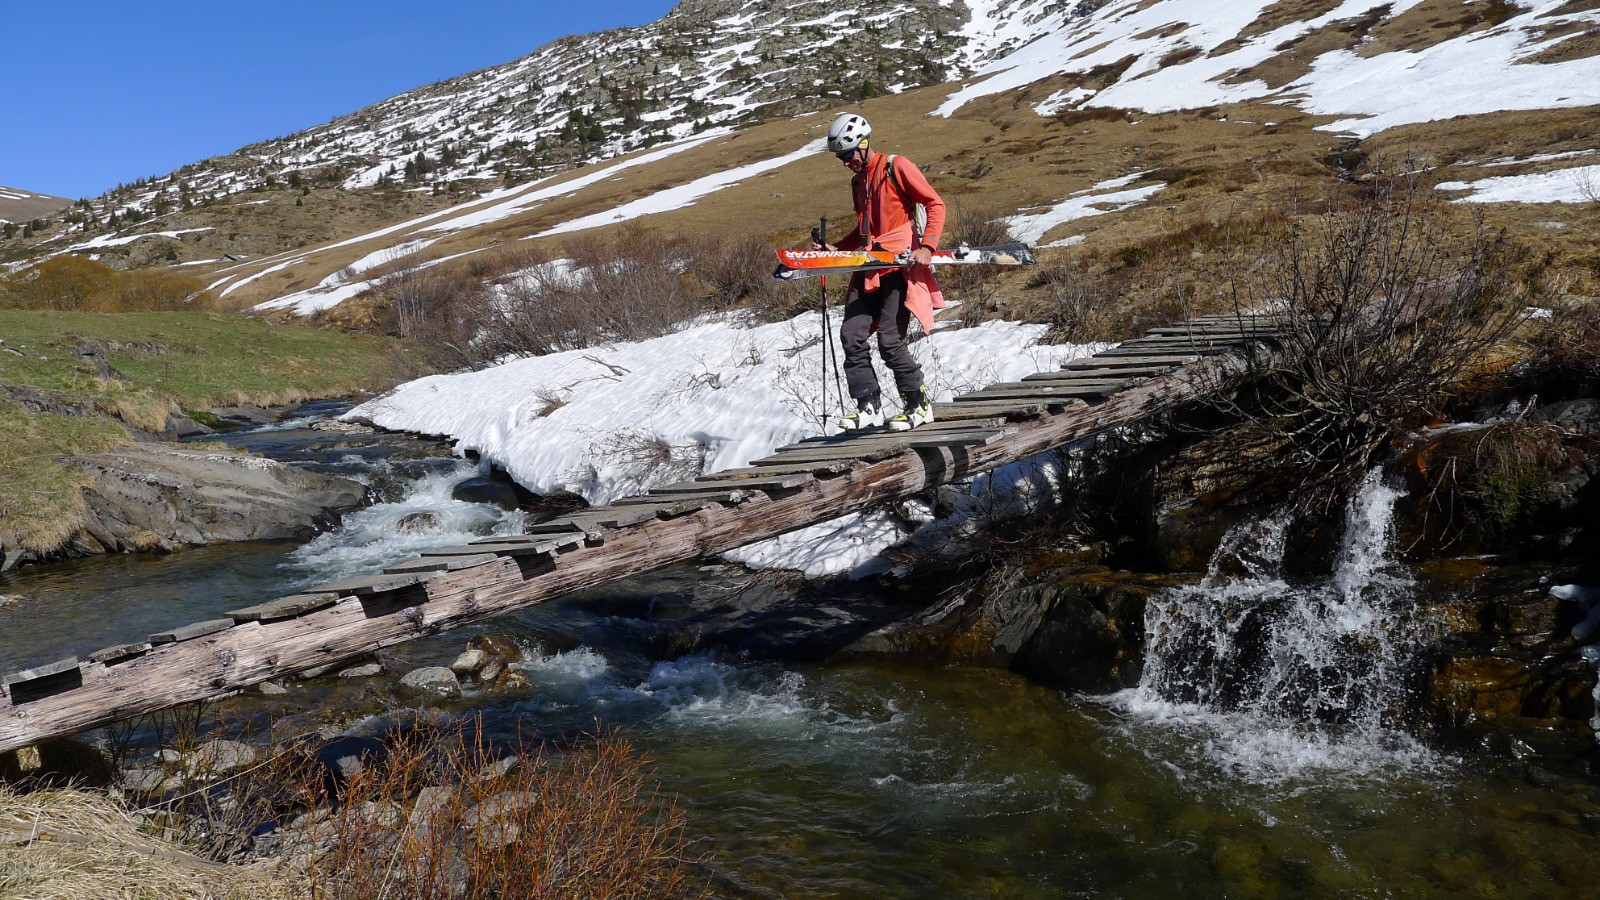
(41, 496)
(146, 365)
(195, 360)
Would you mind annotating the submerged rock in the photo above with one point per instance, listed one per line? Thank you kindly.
(435, 682)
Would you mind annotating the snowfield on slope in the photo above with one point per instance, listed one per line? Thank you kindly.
(609, 422)
(1180, 61)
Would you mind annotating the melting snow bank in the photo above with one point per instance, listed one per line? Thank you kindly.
(605, 423)
(1574, 185)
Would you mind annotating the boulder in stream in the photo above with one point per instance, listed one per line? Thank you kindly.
(160, 496)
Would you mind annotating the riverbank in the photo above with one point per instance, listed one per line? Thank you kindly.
(73, 385)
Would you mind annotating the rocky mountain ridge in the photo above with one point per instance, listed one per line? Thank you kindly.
(1350, 67)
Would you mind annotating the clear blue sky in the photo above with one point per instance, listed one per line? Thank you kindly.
(97, 93)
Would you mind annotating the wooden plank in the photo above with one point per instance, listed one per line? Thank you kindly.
(1043, 392)
(471, 550)
(444, 563)
(191, 631)
(285, 607)
(616, 517)
(1131, 373)
(1066, 380)
(773, 483)
(1167, 362)
(975, 437)
(554, 526)
(43, 670)
(116, 653)
(981, 420)
(722, 498)
(862, 451)
(1011, 410)
(363, 585)
(1163, 353)
(821, 469)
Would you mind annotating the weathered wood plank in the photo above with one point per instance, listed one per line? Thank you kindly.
(42, 670)
(773, 483)
(283, 608)
(862, 449)
(822, 469)
(363, 585)
(723, 497)
(1011, 410)
(1166, 362)
(117, 652)
(476, 550)
(1129, 373)
(191, 631)
(446, 563)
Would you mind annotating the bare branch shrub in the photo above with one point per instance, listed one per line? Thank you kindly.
(446, 816)
(628, 287)
(977, 226)
(1385, 304)
(737, 272)
(647, 459)
(442, 309)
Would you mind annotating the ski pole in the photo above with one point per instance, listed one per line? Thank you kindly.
(820, 236)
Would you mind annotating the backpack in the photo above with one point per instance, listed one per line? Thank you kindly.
(915, 211)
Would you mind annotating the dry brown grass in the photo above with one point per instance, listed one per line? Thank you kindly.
(438, 820)
(70, 844)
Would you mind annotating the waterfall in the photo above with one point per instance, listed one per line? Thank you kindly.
(1282, 677)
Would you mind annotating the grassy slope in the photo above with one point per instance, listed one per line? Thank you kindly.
(166, 361)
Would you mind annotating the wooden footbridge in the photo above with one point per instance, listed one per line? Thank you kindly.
(802, 484)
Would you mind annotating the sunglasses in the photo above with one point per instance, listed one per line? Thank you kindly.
(845, 155)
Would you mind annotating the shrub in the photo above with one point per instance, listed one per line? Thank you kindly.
(437, 820)
(68, 282)
(1384, 306)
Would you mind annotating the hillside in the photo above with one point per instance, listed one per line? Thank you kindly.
(18, 207)
(1110, 132)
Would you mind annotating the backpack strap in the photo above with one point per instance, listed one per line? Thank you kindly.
(915, 211)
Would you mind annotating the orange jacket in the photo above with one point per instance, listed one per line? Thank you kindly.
(880, 209)
(882, 219)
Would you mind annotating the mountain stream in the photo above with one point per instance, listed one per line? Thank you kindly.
(1266, 752)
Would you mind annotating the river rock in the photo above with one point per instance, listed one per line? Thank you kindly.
(1475, 684)
(160, 496)
(469, 662)
(219, 757)
(435, 682)
(486, 489)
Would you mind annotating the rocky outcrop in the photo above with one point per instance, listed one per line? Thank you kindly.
(1063, 620)
(161, 496)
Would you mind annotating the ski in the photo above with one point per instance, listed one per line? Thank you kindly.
(794, 264)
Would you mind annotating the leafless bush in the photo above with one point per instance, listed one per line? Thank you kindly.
(737, 272)
(629, 287)
(646, 459)
(977, 226)
(445, 816)
(442, 309)
(1383, 308)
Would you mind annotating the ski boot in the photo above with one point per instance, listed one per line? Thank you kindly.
(867, 415)
(918, 411)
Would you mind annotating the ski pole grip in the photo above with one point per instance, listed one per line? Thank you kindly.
(819, 234)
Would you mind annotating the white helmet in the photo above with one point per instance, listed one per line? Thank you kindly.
(848, 132)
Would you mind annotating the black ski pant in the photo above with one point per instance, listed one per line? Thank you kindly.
(883, 310)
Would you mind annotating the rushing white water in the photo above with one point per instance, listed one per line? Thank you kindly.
(1272, 680)
(424, 517)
